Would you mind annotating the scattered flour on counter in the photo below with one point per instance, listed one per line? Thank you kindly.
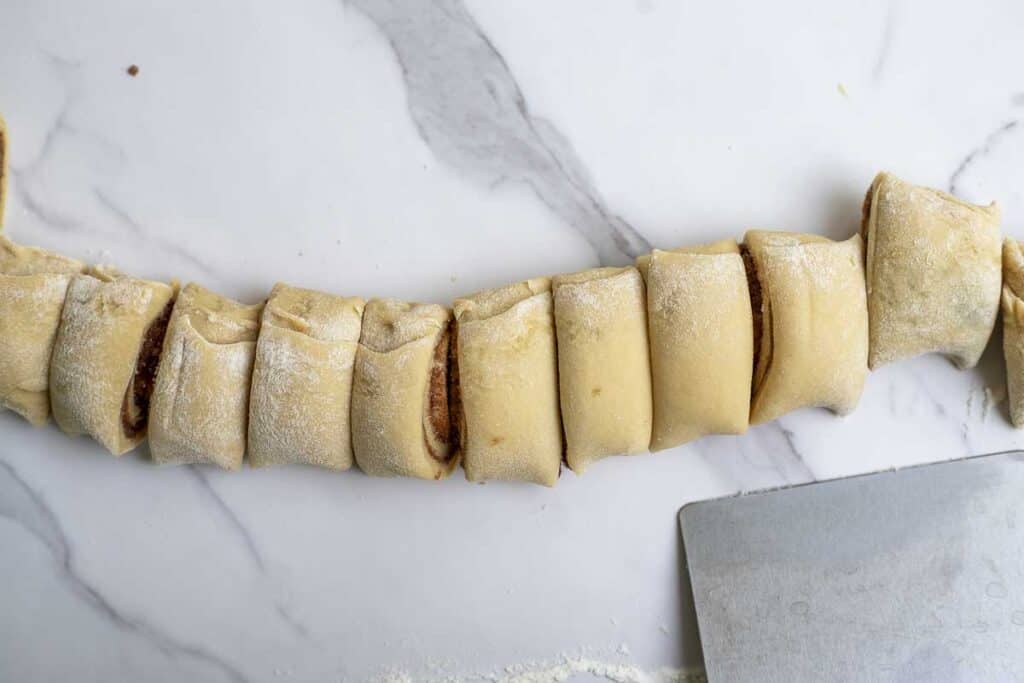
(569, 669)
(392, 676)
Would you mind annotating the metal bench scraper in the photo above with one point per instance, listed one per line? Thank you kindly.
(908, 575)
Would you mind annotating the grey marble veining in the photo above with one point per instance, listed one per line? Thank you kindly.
(991, 140)
(888, 27)
(470, 111)
(249, 543)
(23, 506)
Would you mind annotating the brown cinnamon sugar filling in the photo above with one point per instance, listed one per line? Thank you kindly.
(135, 407)
(440, 441)
(455, 391)
(754, 284)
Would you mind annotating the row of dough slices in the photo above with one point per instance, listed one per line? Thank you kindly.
(689, 342)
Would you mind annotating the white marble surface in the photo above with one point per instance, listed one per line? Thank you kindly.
(424, 151)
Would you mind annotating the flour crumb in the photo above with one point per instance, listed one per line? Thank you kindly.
(604, 671)
(392, 676)
(842, 90)
(564, 670)
(624, 649)
(664, 629)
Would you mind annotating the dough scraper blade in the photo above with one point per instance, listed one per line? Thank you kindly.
(908, 575)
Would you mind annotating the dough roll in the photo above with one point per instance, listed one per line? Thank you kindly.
(401, 424)
(933, 272)
(812, 336)
(106, 354)
(302, 379)
(604, 369)
(508, 378)
(33, 285)
(200, 405)
(1013, 327)
(702, 342)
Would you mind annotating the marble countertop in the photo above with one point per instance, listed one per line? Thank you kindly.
(424, 151)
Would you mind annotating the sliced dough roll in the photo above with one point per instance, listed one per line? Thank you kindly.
(604, 369)
(508, 379)
(702, 352)
(812, 339)
(302, 379)
(401, 423)
(200, 405)
(933, 272)
(1013, 327)
(106, 355)
(33, 285)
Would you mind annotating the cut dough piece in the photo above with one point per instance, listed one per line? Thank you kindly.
(1013, 327)
(813, 338)
(302, 379)
(702, 346)
(106, 355)
(401, 424)
(200, 405)
(33, 284)
(508, 379)
(933, 272)
(604, 369)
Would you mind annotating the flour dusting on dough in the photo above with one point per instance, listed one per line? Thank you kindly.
(302, 379)
(933, 272)
(200, 403)
(394, 380)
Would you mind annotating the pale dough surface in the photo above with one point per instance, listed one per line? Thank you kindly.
(200, 407)
(302, 379)
(604, 370)
(702, 348)
(33, 285)
(508, 374)
(105, 318)
(933, 272)
(814, 340)
(1013, 327)
(397, 363)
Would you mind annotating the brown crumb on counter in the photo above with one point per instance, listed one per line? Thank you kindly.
(133, 70)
